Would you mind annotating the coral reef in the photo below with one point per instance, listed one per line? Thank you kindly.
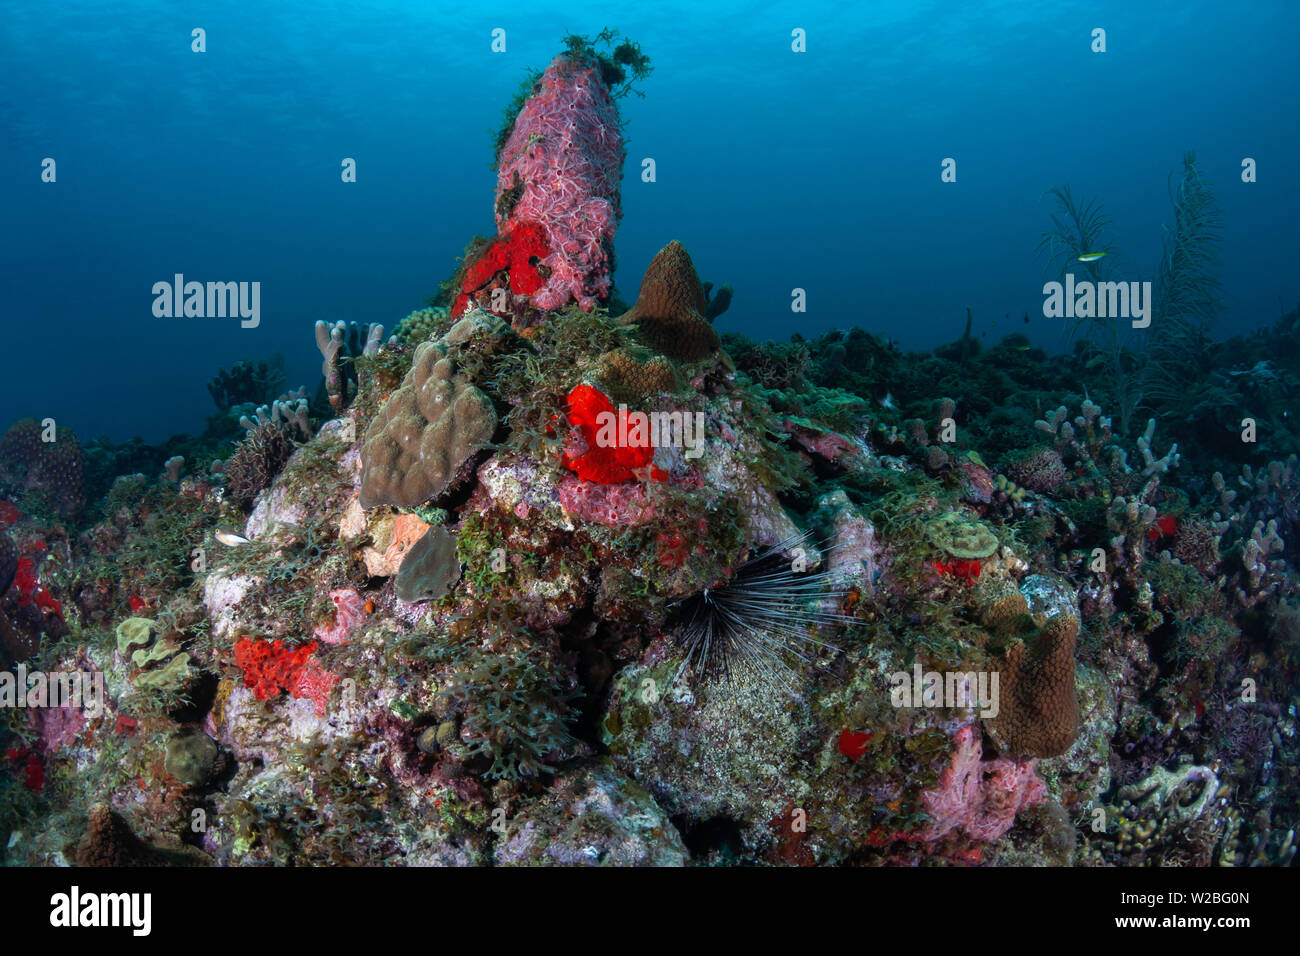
(340, 345)
(541, 582)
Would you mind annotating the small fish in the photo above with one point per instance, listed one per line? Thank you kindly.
(888, 402)
(1022, 348)
(1091, 256)
(230, 539)
(1026, 318)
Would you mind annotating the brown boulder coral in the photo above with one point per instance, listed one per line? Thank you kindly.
(108, 841)
(424, 442)
(670, 308)
(635, 375)
(46, 459)
(1039, 709)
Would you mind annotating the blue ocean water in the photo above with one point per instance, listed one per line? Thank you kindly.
(778, 170)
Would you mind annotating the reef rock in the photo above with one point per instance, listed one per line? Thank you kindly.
(595, 817)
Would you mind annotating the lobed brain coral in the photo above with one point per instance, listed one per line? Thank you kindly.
(670, 308)
(424, 441)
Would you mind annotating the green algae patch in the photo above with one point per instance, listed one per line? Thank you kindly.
(132, 632)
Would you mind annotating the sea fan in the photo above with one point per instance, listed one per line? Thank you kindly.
(1187, 299)
(763, 621)
(1077, 230)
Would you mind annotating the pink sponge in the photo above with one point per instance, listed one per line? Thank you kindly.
(980, 796)
(561, 169)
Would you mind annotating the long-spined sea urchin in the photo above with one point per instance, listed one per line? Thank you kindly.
(765, 616)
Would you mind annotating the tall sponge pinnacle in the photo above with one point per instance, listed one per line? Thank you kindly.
(558, 184)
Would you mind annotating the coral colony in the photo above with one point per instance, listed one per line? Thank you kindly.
(548, 576)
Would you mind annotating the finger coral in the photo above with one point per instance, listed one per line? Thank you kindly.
(340, 345)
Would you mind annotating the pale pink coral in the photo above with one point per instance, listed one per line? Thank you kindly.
(349, 611)
(314, 683)
(615, 506)
(981, 797)
(564, 158)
